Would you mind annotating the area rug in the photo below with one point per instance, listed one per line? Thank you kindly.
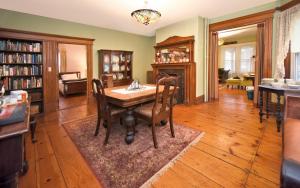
(120, 165)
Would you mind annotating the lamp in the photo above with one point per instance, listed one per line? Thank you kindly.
(146, 16)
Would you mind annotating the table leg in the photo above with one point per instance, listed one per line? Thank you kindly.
(260, 105)
(130, 123)
(10, 181)
(267, 105)
(163, 122)
(278, 114)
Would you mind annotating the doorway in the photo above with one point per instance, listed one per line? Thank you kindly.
(72, 75)
(236, 64)
(263, 60)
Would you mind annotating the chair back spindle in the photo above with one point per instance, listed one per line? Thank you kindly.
(99, 93)
(164, 102)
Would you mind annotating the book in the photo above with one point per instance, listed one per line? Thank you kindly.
(9, 45)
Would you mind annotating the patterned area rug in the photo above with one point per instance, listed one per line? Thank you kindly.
(120, 165)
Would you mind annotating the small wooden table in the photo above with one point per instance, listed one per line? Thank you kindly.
(130, 101)
(279, 92)
(250, 77)
(12, 149)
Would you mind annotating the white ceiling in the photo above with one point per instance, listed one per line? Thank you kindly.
(248, 31)
(115, 14)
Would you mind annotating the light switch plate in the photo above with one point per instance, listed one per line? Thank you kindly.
(49, 69)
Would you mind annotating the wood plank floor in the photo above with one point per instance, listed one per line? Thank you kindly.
(236, 150)
(71, 101)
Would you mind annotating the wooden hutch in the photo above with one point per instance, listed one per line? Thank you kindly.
(118, 64)
(175, 55)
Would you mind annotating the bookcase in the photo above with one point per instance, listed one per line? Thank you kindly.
(21, 64)
(118, 63)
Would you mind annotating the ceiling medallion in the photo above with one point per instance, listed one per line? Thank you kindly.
(146, 16)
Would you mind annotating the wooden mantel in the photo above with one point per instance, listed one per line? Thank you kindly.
(185, 68)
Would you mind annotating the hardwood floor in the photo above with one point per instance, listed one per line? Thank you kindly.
(72, 101)
(236, 150)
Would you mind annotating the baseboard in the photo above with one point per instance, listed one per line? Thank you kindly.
(199, 100)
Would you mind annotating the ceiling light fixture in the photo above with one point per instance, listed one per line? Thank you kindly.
(146, 16)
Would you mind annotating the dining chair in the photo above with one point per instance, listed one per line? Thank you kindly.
(162, 108)
(107, 79)
(105, 111)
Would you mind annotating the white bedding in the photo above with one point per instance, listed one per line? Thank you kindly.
(61, 86)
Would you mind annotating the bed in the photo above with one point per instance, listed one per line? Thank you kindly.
(71, 83)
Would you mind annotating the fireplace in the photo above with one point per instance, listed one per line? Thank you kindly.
(186, 81)
(180, 73)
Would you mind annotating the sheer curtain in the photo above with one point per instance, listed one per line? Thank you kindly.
(62, 60)
(229, 59)
(296, 66)
(238, 58)
(247, 63)
(286, 32)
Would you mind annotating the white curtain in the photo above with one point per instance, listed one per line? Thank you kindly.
(295, 33)
(229, 59)
(246, 59)
(238, 58)
(287, 20)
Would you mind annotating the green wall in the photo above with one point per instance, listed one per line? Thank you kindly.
(252, 10)
(190, 27)
(104, 38)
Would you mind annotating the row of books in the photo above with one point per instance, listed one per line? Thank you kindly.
(21, 58)
(22, 83)
(6, 70)
(20, 46)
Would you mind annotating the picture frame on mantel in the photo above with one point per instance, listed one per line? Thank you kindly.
(175, 55)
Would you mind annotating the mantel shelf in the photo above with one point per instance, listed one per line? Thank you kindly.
(172, 64)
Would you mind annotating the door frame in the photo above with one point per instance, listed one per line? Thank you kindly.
(50, 48)
(266, 18)
(89, 64)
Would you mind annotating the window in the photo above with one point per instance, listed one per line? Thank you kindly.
(297, 66)
(238, 58)
(247, 54)
(229, 59)
(295, 48)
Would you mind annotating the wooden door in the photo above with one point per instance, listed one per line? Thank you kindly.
(50, 76)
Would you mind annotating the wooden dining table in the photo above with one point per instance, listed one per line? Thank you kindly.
(120, 97)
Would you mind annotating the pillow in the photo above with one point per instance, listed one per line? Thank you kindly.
(69, 77)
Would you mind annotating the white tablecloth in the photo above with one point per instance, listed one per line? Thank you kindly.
(124, 91)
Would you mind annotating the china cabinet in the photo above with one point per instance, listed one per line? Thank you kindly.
(118, 63)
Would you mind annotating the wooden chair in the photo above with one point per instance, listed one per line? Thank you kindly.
(162, 108)
(107, 79)
(105, 112)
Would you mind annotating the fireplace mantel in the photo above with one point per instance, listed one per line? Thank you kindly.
(189, 76)
(175, 55)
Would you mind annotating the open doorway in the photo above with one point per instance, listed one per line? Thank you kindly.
(72, 74)
(236, 63)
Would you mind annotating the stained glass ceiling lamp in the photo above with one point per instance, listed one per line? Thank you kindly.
(146, 16)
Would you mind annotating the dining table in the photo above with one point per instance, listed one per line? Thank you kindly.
(122, 97)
